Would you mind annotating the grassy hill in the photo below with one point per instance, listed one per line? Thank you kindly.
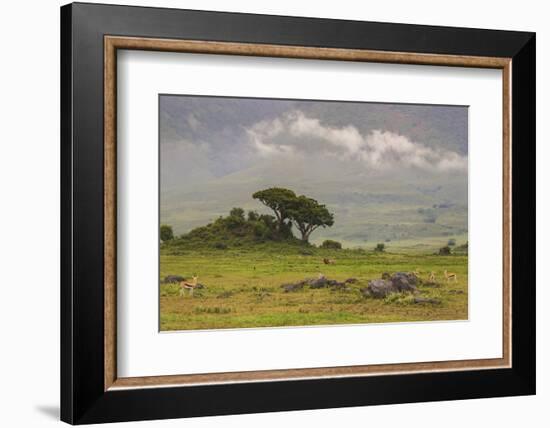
(368, 207)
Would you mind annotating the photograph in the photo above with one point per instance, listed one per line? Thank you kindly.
(290, 212)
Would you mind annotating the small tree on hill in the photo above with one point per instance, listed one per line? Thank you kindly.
(166, 233)
(380, 248)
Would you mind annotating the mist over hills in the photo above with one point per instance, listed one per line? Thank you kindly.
(386, 171)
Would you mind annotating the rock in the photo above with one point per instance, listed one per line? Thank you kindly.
(336, 285)
(292, 287)
(399, 282)
(422, 300)
(318, 283)
(378, 288)
(173, 279)
(404, 281)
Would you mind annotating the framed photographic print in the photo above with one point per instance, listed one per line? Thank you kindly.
(266, 213)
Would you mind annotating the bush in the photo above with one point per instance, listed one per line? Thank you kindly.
(220, 246)
(234, 222)
(261, 230)
(380, 247)
(237, 212)
(166, 233)
(445, 251)
(462, 248)
(329, 244)
(253, 216)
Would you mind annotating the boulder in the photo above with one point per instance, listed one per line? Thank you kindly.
(399, 282)
(292, 286)
(318, 283)
(314, 283)
(404, 282)
(173, 279)
(378, 288)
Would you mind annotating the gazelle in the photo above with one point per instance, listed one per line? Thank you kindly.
(186, 285)
(431, 278)
(450, 275)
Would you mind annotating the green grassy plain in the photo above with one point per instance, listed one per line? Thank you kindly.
(243, 287)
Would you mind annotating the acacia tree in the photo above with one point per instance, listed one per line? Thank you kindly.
(308, 215)
(279, 200)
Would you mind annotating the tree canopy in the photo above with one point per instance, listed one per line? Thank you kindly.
(308, 215)
(305, 213)
(279, 200)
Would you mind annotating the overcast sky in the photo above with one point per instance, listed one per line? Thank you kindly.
(369, 163)
(203, 137)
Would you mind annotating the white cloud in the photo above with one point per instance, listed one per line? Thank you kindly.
(294, 133)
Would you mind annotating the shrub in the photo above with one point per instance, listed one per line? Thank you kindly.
(445, 251)
(237, 212)
(331, 245)
(380, 247)
(462, 248)
(253, 216)
(166, 233)
(261, 230)
(220, 246)
(233, 222)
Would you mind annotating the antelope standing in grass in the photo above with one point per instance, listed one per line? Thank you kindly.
(431, 278)
(450, 275)
(188, 285)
